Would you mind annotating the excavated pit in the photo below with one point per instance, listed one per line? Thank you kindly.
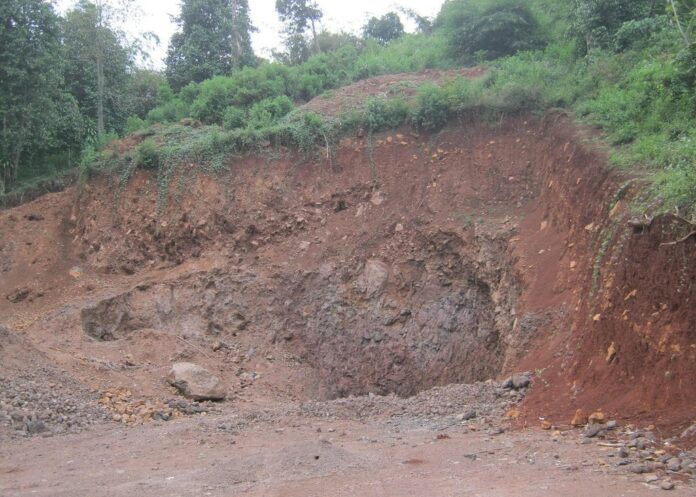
(416, 262)
(437, 314)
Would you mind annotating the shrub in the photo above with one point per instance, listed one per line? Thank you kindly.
(267, 112)
(432, 112)
(134, 123)
(234, 118)
(148, 155)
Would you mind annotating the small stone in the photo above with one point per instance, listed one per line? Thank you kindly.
(596, 418)
(612, 425)
(520, 381)
(667, 485)
(674, 464)
(593, 430)
(651, 478)
(466, 416)
(36, 426)
(622, 452)
(580, 419)
(639, 468)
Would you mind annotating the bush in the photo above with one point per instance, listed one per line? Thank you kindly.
(234, 118)
(172, 111)
(267, 112)
(134, 123)
(432, 112)
(148, 155)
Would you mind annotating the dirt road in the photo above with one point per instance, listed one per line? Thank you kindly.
(312, 457)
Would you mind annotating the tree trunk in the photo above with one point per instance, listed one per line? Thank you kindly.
(99, 46)
(236, 35)
(685, 35)
(317, 48)
(100, 94)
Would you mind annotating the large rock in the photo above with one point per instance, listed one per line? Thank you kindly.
(373, 278)
(195, 382)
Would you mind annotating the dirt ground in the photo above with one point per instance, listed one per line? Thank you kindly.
(312, 457)
(362, 312)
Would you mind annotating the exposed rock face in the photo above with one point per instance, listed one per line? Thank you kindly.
(195, 382)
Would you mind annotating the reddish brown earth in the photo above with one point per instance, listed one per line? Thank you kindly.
(404, 85)
(453, 258)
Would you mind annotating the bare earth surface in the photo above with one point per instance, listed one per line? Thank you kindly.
(312, 457)
(362, 313)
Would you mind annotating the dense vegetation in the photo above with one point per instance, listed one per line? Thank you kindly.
(628, 67)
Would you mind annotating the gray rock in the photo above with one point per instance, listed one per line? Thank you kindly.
(466, 416)
(612, 425)
(674, 464)
(667, 485)
(593, 430)
(195, 382)
(638, 468)
(622, 452)
(36, 426)
(520, 381)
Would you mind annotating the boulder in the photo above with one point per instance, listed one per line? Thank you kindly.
(195, 382)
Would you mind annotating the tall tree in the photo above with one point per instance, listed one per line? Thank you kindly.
(214, 38)
(384, 29)
(98, 62)
(299, 16)
(31, 100)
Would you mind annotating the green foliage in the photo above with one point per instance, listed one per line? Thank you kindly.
(234, 118)
(148, 156)
(267, 112)
(489, 29)
(214, 38)
(146, 89)
(595, 22)
(432, 112)
(38, 117)
(134, 123)
(299, 16)
(98, 63)
(384, 29)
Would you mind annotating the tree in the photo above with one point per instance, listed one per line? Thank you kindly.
(684, 14)
(299, 16)
(385, 29)
(594, 22)
(144, 91)
(98, 62)
(214, 38)
(488, 30)
(32, 104)
(424, 25)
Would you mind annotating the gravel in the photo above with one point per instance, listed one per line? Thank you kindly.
(46, 402)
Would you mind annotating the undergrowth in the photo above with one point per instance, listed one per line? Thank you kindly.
(637, 83)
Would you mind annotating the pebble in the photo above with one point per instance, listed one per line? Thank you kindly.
(667, 485)
(639, 468)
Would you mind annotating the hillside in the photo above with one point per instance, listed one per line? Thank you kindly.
(457, 260)
(423, 261)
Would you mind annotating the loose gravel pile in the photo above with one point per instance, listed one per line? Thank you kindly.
(47, 402)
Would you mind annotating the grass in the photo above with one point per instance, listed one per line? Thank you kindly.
(640, 91)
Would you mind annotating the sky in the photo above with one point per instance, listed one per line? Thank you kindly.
(156, 16)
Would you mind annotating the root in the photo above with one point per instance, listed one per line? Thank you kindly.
(677, 242)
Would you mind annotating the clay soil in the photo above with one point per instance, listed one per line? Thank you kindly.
(342, 301)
